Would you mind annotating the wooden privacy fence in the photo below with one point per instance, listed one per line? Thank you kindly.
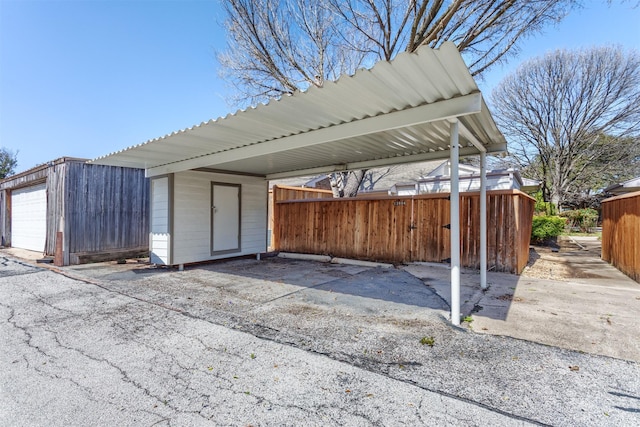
(291, 193)
(621, 233)
(405, 229)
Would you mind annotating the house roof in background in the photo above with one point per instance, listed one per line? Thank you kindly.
(384, 177)
(628, 186)
(397, 112)
(468, 172)
(406, 175)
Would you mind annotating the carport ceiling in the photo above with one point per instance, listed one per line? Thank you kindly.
(396, 112)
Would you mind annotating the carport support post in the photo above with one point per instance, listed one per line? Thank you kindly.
(455, 225)
(483, 220)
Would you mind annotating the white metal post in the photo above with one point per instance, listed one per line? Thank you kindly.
(455, 226)
(483, 220)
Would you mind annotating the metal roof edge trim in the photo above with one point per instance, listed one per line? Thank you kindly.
(447, 47)
(452, 107)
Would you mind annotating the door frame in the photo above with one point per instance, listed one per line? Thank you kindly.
(212, 214)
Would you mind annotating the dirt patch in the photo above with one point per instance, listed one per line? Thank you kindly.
(546, 264)
(566, 262)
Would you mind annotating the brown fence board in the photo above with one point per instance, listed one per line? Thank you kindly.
(404, 229)
(280, 192)
(430, 239)
(621, 233)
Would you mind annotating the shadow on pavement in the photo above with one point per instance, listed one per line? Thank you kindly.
(318, 281)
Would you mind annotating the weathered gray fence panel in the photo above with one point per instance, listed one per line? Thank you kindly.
(99, 209)
(55, 204)
(106, 208)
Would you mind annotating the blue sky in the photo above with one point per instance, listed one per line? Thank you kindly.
(85, 78)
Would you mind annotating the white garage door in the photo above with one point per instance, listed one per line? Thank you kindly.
(29, 217)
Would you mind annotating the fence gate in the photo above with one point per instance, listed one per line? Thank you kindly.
(430, 234)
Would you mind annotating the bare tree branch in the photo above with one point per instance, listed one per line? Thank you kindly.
(573, 118)
(276, 47)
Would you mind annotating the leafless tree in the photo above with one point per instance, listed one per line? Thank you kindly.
(484, 30)
(276, 47)
(347, 183)
(572, 117)
(373, 176)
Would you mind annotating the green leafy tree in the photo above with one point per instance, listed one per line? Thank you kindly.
(542, 207)
(618, 161)
(8, 162)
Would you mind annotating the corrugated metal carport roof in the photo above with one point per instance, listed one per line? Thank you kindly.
(396, 112)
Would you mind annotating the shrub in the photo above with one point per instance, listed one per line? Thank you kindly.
(546, 228)
(583, 219)
(542, 207)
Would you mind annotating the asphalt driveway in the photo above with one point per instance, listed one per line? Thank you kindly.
(79, 354)
(278, 342)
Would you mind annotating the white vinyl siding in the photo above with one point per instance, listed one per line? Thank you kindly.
(29, 217)
(192, 215)
(159, 237)
(468, 183)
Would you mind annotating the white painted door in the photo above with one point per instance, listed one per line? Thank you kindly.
(225, 218)
(29, 217)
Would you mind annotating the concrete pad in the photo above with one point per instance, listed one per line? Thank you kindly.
(438, 278)
(595, 311)
(577, 316)
(307, 257)
(356, 288)
(24, 254)
(376, 291)
(348, 261)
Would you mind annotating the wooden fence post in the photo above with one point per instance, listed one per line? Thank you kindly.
(275, 242)
(58, 258)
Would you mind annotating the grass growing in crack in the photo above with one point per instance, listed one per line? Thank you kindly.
(253, 356)
(467, 320)
(430, 341)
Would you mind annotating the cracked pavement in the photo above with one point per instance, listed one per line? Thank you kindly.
(244, 343)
